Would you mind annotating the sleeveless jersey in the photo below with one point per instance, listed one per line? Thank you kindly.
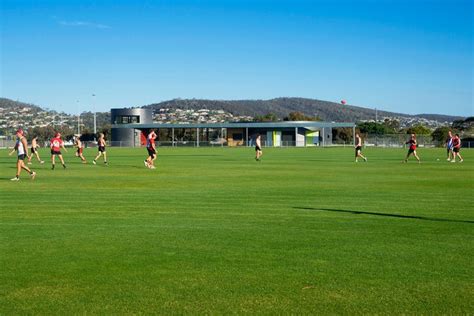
(456, 143)
(150, 141)
(56, 144)
(19, 146)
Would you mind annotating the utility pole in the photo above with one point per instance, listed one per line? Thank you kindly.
(78, 118)
(376, 118)
(95, 115)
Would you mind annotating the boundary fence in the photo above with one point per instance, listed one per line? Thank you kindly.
(397, 141)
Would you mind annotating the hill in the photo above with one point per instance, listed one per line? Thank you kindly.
(281, 107)
(14, 114)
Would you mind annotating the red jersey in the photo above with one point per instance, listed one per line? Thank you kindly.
(56, 144)
(456, 142)
(412, 143)
(150, 141)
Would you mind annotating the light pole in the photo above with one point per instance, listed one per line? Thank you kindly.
(78, 118)
(95, 115)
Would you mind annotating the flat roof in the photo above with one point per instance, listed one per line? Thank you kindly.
(286, 124)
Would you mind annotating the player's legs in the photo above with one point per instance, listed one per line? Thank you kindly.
(98, 156)
(416, 156)
(62, 161)
(18, 167)
(362, 156)
(408, 156)
(23, 166)
(105, 156)
(455, 154)
(53, 161)
(147, 160)
(151, 163)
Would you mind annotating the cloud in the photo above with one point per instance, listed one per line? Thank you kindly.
(84, 24)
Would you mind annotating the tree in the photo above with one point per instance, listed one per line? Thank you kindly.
(343, 134)
(418, 130)
(440, 134)
(393, 125)
(373, 128)
(269, 117)
(298, 116)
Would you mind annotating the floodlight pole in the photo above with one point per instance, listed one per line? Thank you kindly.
(172, 137)
(95, 116)
(354, 133)
(78, 118)
(197, 137)
(247, 136)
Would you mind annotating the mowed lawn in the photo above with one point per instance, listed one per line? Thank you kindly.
(212, 231)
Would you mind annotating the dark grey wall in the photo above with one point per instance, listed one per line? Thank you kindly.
(146, 115)
(126, 136)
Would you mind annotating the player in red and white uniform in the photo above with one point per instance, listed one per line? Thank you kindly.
(449, 146)
(34, 150)
(21, 147)
(412, 149)
(56, 144)
(101, 148)
(80, 148)
(457, 148)
(151, 148)
(258, 147)
(358, 148)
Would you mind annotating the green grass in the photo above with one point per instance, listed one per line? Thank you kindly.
(212, 231)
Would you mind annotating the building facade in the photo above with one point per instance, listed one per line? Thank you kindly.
(130, 127)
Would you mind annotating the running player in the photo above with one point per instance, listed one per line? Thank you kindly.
(449, 146)
(358, 148)
(80, 148)
(21, 147)
(151, 148)
(101, 147)
(258, 148)
(412, 149)
(34, 150)
(457, 148)
(56, 144)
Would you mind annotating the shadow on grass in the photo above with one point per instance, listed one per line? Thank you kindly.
(434, 219)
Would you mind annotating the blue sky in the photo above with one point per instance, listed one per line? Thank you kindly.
(406, 56)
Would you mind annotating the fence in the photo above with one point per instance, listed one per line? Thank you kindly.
(387, 141)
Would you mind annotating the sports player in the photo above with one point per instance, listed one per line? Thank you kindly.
(412, 149)
(34, 150)
(151, 148)
(457, 148)
(101, 148)
(449, 146)
(358, 148)
(56, 144)
(258, 148)
(80, 148)
(21, 147)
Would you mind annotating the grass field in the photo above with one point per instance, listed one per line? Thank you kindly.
(213, 231)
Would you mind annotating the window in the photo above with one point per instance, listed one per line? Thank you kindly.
(128, 119)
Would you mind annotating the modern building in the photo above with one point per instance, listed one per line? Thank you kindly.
(130, 127)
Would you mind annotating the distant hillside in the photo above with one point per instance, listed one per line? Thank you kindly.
(281, 107)
(328, 111)
(8, 104)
